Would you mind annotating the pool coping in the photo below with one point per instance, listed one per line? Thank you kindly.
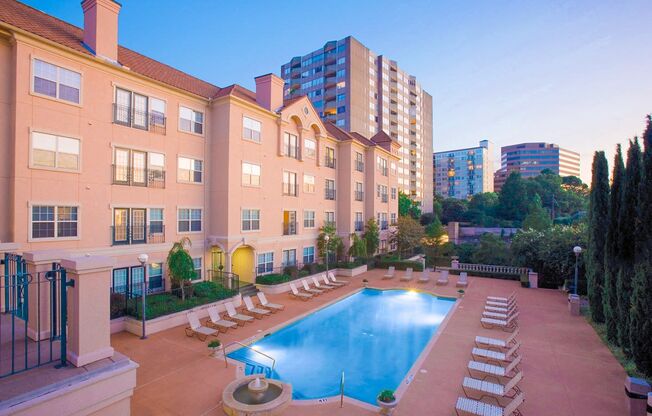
(405, 382)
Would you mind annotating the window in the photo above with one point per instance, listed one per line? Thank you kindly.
(55, 152)
(393, 193)
(289, 257)
(308, 184)
(310, 148)
(190, 170)
(250, 219)
(250, 174)
(308, 219)
(138, 110)
(251, 129)
(155, 276)
(54, 221)
(196, 262)
(265, 263)
(289, 183)
(359, 162)
(56, 82)
(289, 222)
(341, 97)
(329, 159)
(359, 194)
(382, 165)
(308, 255)
(156, 220)
(189, 220)
(359, 224)
(329, 218)
(191, 121)
(130, 167)
(341, 109)
(290, 146)
(392, 217)
(329, 189)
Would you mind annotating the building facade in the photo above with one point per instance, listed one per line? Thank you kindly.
(463, 173)
(529, 159)
(361, 91)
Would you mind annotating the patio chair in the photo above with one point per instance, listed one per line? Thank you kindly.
(257, 313)
(463, 280)
(196, 328)
(495, 390)
(215, 320)
(443, 278)
(500, 309)
(309, 289)
(407, 276)
(477, 408)
(498, 315)
(425, 277)
(511, 297)
(327, 281)
(495, 342)
(267, 304)
(235, 316)
(333, 280)
(501, 304)
(294, 292)
(506, 325)
(390, 273)
(496, 371)
(496, 356)
(320, 286)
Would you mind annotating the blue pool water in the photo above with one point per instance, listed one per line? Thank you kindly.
(374, 336)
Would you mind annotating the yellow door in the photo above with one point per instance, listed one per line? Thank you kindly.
(242, 264)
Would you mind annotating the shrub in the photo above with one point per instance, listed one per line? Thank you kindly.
(118, 304)
(386, 396)
(273, 279)
(400, 264)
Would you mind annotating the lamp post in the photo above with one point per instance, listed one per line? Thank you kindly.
(577, 250)
(326, 238)
(142, 258)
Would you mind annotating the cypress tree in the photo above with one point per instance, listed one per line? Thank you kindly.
(610, 301)
(598, 217)
(627, 224)
(640, 332)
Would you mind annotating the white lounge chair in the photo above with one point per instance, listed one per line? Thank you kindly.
(332, 278)
(499, 391)
(498, 315)
(425, 276)
(492, 370)
(235, 316)
(463, 280)
(506, 325)
(390, 273)
(258, 313)
(215, 320)
(511, 297)
(500, 309)
(294, 292)
(309, 289)
(495, 342)
(496, 356)
(443, 278)
(509, 304)
(477, 408)
(327, 281)
(196, 328)
(407, 276)
(267, 304)
(320, 286)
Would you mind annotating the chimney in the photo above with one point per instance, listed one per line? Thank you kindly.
(101, 27)
(269, 91)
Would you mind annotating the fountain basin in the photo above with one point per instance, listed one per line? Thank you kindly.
(256, 395)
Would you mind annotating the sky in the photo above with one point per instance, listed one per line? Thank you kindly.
(574, 73)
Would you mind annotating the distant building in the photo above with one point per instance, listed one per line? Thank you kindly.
(529, 159)
(464, 172)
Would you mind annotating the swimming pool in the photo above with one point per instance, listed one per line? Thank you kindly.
(374, 336)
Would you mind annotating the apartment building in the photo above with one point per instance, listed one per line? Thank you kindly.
(462, 173)
(529, 159)
(106, 151)
(361, 91)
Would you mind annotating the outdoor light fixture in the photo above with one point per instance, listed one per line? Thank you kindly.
(577, 250)
(143, 258)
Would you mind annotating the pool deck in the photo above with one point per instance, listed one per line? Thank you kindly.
(567, 369)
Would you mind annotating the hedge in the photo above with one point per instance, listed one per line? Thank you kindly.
(417, 266)
(492, 275)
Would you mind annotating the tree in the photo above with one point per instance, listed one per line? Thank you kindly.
(407, 235)
(358, 247)
(537, 217)
(626, 240)
(512, 201)
(435, 229)
(180, 266)
(640, 332)
(407, 206)
(598, 217)
(371, 236)
(453, 210)
(611, 251)
(491, 250)
(335, 243)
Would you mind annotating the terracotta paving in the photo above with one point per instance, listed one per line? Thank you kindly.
(567, 370)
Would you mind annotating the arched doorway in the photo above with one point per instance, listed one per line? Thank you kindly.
(242, 264)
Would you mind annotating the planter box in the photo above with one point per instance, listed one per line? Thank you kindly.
(352, 272)
(118, 324)
(172, 320)
(285, 286)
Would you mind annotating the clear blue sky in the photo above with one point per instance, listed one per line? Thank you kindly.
(574, 73)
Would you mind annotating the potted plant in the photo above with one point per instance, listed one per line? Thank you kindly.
(364, 282)
(460, 293)
(214, 347)
(387, 401)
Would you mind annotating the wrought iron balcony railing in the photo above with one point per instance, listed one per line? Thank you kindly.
(127, 175)
(329, 194)
(144, 120)
(141, 234)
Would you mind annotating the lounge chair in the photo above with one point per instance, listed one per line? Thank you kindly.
(215, 320)
(443, 278)
(425, 277)
(500, 309)
(511, 297)
(390, 273)
(327, 281)
(407, 276)
(257, 313)
(196, 328)
(506, 325)
(309, 289)
(501, 304)
(495, 342)
(320, 286)
(496, 356)
(269, 305)
(496, 390)
(498, 315)
(496, 371)
(235, 316)
(463, 280)
(332, 278)
(294, 292)
(478, 408)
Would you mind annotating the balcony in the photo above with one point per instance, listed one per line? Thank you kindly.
(329, 194)
(290, 189)
(329, 162)
(383, 225)
(359, 195)
(290, 228)
(358, 225)
(359, 166)
(130, 176)
(383, 197)
(128, 234)
(144, 120)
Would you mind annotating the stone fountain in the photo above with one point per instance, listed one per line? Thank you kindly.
(256, 395)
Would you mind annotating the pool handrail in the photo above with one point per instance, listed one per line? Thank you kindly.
(226, 364)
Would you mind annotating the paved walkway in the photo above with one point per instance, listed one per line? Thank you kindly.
(567, 369)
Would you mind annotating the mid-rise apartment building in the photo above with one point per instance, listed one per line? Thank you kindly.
(462, 173)
(529, 159)
(361, 91)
